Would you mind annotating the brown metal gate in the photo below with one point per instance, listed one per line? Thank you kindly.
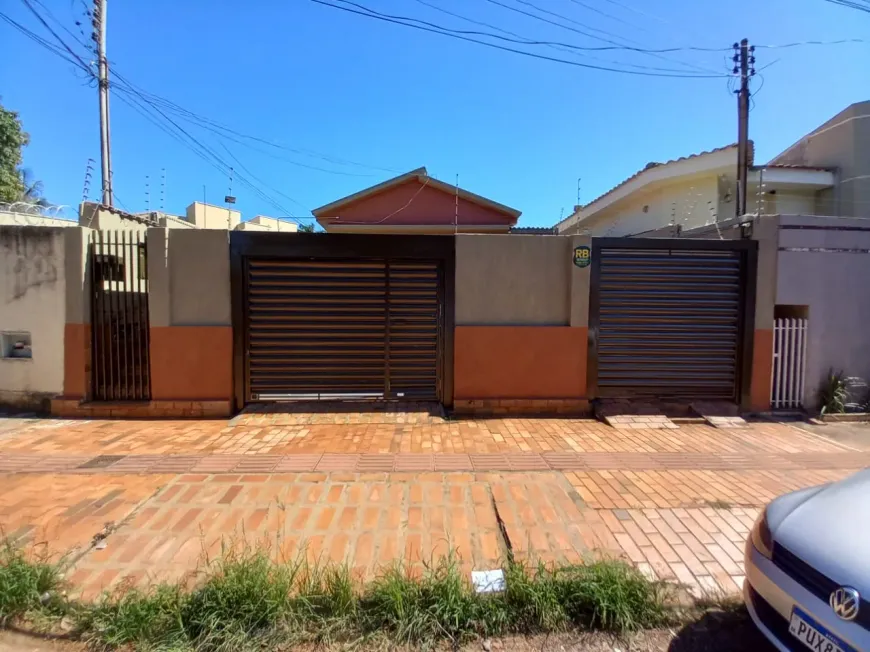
(120, 369)
(668, 317)
(342, 329)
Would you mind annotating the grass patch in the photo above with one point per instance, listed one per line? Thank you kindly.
(245, 602)
(29, 586)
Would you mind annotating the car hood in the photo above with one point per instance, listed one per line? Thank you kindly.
(830, 530)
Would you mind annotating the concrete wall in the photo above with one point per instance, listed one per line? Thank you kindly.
(522, 314)
(32, 305)
(94, 216)
(265, 223)
(207, 216)
(827, 269)
(190, 313)
(14, 218)
(513, 280)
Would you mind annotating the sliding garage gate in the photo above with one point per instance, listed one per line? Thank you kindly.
(343, 328)
(669, 318)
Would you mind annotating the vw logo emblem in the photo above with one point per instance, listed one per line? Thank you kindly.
(845, 602)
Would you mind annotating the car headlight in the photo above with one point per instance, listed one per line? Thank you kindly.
(762, 539)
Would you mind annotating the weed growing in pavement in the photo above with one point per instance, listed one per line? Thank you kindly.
(246, 601)
(29, 586)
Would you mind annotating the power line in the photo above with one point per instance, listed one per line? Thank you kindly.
(852, 4)
(563, 47)
(603, 13)
(45, 44)
(573, 29)
(445, 32)
(200, 149)
(219, 129)
(55, 34)
(570, 20)
(801, 43)
(586, 48)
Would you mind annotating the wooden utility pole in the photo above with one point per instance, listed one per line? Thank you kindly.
(744, 56)
(103, 79)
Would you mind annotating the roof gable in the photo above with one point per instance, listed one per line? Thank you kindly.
(418, 177)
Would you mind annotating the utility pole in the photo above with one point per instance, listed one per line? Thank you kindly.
(744, 55)
(103, 78)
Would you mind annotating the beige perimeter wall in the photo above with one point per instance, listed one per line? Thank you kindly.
(33, 301)
(827, 268)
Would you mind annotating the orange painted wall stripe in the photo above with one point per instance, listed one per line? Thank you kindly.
(191, 363)
(522, 362)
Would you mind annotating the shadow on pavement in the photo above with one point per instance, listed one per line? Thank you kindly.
(718, 631)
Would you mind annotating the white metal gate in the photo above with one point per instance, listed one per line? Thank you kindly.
(789, 363)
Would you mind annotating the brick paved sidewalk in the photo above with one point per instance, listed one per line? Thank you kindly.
(678, 503)
(376, 518)
(484, 436)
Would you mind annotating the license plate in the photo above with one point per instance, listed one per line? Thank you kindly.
(813, 635)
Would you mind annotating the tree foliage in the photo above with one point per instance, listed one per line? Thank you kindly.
(12, 139)
(16, 183)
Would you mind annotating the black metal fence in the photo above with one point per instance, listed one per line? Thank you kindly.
(120, 369)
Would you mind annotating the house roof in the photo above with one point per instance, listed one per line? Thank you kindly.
(534, 230)
(421, 175)
(785, 166)
(647, 171)
(656, 164)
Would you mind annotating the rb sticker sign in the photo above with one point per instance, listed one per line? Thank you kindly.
(582, 256)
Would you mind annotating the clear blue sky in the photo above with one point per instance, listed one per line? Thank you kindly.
(515, 129)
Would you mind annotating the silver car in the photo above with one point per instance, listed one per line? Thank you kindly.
(808, 568)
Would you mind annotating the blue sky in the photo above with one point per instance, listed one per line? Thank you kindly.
(341, 87)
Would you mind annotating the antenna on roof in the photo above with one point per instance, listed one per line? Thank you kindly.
(162, 189)
(578, 190)
(147, 193)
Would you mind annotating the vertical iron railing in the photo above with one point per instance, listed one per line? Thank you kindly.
(789, 363)
(120, 369)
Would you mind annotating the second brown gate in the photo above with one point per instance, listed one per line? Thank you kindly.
(669, 318)
(327, 328)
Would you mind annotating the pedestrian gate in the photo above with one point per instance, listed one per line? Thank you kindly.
(120, 369)
(668, 317)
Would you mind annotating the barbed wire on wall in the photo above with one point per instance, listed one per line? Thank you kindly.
(35, 214)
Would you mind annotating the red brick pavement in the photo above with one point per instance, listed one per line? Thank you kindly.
(56, 514)
(484, 436)
(378, 488)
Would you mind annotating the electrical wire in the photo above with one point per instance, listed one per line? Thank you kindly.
(202, 151)
(45, 44)
(801, 43)
(516, 51)
(570, 20)
(852, 5)
(193, 140)
(55, 34)
(218, 128)
(603, 13)
(88, 46)
(246, 169)
(570, 49)
(647, 51)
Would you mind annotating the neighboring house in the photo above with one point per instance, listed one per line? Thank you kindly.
(826, 173)
(264, 223)
(197, 216)
(841, 144)
(415, 203)
(693, 191)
